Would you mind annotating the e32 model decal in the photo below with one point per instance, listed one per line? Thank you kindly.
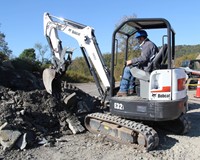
(119, 106)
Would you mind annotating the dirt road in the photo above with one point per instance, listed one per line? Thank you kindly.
(89, 146)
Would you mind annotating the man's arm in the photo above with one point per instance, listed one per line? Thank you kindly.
(148, 50)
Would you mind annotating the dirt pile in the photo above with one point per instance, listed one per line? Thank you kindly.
(29, 116)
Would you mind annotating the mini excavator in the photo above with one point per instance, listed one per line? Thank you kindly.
(161, 95)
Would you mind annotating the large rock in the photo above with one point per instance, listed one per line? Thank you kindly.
(8, 138)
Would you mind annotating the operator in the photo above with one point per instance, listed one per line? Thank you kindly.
(149, 50)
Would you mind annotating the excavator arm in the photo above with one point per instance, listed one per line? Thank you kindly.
(85, 37)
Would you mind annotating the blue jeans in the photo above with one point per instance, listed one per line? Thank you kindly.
(127, 81)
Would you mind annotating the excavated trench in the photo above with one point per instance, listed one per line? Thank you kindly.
(29, 116)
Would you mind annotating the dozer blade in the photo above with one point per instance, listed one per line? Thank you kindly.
(48, 77)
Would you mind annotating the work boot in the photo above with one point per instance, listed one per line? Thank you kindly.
(121, 94)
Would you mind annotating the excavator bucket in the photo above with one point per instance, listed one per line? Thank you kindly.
(48, 77)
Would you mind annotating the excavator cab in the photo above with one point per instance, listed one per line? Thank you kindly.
(163, 59)
(162, 94)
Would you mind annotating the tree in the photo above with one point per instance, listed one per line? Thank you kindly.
(4, 49)
(3, 57)
(42, 50)
(28, 54)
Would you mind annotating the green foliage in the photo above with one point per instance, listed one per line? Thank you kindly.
(28, 54)
(186, 52)
(107, 59)
(3, 57)
(4, 49)
(45, 65)
(27, 64)
(79, 66)
(190, 56)
(27, 61)
(73, 76)
(120, 62)
(182, 50)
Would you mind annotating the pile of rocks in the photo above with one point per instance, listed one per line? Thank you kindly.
(29, 116)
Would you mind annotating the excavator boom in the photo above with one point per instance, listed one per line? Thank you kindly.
(88, 44)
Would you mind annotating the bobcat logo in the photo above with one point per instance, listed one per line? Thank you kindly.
(153, 95)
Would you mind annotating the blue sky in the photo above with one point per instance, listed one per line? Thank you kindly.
(22, 20)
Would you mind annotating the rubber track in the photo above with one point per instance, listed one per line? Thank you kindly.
(178, 126)
(151, 136)
(186, 124)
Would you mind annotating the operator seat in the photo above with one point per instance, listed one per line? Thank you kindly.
(157, 62)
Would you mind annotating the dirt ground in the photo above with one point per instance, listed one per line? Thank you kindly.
(87, 146)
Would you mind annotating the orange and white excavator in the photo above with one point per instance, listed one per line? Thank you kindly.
(161, 95)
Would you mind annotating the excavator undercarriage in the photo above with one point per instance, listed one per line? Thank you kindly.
(122, 130)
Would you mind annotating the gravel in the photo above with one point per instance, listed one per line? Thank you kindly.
(87, 146)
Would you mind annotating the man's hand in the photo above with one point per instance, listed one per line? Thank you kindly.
(129, 62)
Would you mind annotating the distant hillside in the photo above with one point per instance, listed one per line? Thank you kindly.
(186, 52)
(181, 50)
